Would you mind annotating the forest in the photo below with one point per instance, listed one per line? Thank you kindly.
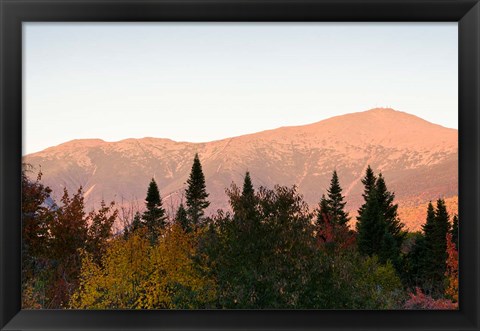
(270, 250)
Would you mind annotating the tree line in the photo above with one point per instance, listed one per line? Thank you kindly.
(268, 251)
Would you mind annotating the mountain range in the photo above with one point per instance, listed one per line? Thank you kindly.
(418, 159)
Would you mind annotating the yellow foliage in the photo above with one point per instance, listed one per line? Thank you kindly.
(176, 281)
(136, 275)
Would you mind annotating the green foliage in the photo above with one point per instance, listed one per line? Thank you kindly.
(269, 260)
(380, 231)
(439, 248)
(322, 211)
(359, 282)
(196, 194)
(427, 263)
(137, 222)
(269, 252)
(334, 205)
(369, 184)
(414, 262)
(394, 228)
(181, 218)
(154, 217)
(370, 226)
(454, 231)
(428, 259)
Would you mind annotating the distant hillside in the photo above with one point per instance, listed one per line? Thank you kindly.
(418, 159)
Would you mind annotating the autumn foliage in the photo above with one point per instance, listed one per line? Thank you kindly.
(420, 300)
(452, 269)
(268, 251)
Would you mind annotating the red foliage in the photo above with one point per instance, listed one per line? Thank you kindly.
(420, 300)
(338, 236)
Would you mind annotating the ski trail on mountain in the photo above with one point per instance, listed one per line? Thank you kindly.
(359, 178)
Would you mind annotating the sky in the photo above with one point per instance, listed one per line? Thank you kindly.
(200, 82)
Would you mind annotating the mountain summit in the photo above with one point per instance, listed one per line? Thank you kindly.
(418, 159)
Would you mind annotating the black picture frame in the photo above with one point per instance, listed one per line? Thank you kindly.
(14, 12)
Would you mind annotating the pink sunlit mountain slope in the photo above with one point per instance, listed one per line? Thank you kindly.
(418, 159)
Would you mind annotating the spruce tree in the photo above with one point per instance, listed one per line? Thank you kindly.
(442, 227)
(196, 194)
(335, 202)
(248, 191)
(137, 222)
(380, 231)
(435, 249)
(323, 210)
(248, 198)
(369, 183)
(455, 231)
(182, 218)
(393, 226)
(389, 250)
(415, 273)
(135, 225)
(439, 247)
(428, 259)
(429, 224)
(370, 226)
(154, 217)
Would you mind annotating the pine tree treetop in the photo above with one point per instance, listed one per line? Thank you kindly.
(196, 193)
(153, 195)
(248, 190)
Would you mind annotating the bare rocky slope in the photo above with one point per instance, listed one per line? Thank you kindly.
(418, 159)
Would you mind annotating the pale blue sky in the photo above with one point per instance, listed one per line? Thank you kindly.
(208, 81)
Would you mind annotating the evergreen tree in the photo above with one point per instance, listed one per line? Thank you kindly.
(455, 231)
(389, 250)
(429, 224)
(134, 226)
(393, 227)
(248, 198)
(323, 210)
(428, 258)
(182, 218)
(380, 231)
(434, 257)
(369, 184)
(137, 222)
(154, 217)
(335, 202)
(439, 246)
(370, 226)
(248, 192)
(196, 193)
(414, 271)
(244, 204)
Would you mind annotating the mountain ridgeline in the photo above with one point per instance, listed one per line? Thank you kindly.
(418, 159)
